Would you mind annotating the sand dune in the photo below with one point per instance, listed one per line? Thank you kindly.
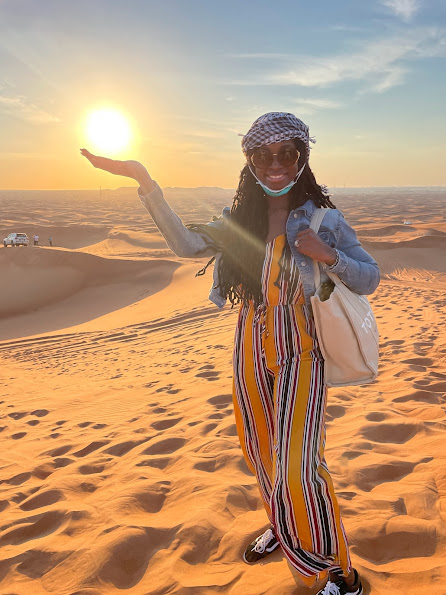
(120, 465)
(82, 285)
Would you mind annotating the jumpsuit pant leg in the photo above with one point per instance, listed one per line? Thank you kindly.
(279, 402)
(305, 510)
(253, 390)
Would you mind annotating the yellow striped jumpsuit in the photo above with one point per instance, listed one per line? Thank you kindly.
(279, 400)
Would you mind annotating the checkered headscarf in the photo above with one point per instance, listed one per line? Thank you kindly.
(275, 127)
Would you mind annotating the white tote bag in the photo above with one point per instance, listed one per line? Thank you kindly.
(346, 328)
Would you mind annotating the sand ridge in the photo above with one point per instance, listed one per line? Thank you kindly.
(121, 467)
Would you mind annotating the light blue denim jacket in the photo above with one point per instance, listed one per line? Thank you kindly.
(356, 268)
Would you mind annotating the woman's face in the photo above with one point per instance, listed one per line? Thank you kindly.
(276, 176)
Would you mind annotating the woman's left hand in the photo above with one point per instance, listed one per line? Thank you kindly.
(310, 244)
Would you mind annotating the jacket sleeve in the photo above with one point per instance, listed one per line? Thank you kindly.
(356, 268)
(184, 242)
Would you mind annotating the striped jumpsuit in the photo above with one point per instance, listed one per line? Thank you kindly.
(279, 400)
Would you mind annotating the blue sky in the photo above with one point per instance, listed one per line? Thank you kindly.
(368, 78)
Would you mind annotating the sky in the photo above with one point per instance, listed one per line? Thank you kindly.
(190, 76)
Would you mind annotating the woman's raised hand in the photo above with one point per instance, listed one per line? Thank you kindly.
(129, 169)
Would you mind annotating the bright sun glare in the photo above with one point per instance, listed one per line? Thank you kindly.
(108, 130)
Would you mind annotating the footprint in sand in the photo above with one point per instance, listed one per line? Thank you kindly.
(91, 448)
(168, 389)
(208, 372)
(40, 412)
(18, 479)
(207, 428)
(91, 469)
(229, 430)
(43, 499)
(422, 396)
(351, 454)
(346, 495)
(130, 548)
(209, 375)
(17, 415)
(401, 537)
(43, 471)
(31, 528)
(393, 342)
(438, 387)
(335, 411)
(88, 487)
(62, 462)
(20, 496)
(3, 505)
(119, 450)
(422, 382)
(390, 433)
(165, 446)
(165, 424)
(368, 477)
(158, 463)
(376, 416)
(150, 498)
(208, 465)
(221, 401)
(241, 499)
(419, 361)
(438, 375)
(217, 415)
(197, 543)
(58, 452)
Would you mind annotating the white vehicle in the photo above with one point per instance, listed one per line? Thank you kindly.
(16, 239)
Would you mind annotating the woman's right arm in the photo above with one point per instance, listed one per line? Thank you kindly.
(181, 240)
(184, 242)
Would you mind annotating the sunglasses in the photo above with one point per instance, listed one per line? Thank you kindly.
(262, 158)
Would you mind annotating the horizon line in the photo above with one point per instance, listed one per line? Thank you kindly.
(195, 188)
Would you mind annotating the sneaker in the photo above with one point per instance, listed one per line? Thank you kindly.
(340, 587)
(261, 547)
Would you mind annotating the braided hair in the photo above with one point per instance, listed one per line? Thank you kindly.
(243, 254)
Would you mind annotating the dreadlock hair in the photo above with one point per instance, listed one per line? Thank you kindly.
(244, 245)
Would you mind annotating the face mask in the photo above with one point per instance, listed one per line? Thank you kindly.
(281, 192)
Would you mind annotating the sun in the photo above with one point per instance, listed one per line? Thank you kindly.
(108, 130)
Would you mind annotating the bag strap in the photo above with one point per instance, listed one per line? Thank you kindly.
(315, 223)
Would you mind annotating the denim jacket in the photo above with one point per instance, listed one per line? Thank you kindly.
(356, 268)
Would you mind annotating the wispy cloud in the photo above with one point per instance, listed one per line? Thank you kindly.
(20, 108)
(346, 28)
(379, 65)
(404, 9)
(204, 133)
(310, 105)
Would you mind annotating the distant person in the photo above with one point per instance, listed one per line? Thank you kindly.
(264, 250)
(50, 241)
(36, 240)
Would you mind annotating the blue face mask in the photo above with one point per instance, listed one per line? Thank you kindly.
(281, 192)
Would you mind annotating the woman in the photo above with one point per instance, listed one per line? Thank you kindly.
(264, 250)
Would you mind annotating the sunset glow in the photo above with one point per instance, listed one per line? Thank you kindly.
(108, 131)
(362, 75)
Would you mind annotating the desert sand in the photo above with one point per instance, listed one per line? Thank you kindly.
(120, 467)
